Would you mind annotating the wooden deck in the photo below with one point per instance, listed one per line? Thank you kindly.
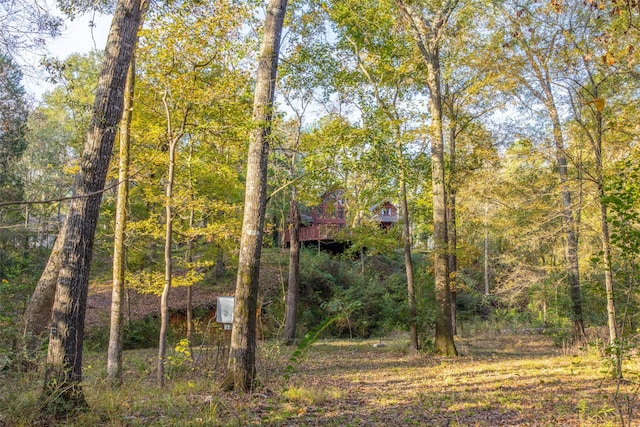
(317, 232)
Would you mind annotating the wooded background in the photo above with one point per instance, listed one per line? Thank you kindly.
(507, 132)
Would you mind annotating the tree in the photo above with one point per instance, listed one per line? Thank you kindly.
(63, 374)
(298, 78)
(428, 27)
(174, 136)
(293, 282)
(471, 90)
(591, 95)
(242, 370)
(296, 83)
(622, 201)
(291, 153)
(13, 118)
(116, 330)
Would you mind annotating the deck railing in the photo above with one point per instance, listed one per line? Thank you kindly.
(317, 232)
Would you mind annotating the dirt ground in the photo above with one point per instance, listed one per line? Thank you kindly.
(500, 380)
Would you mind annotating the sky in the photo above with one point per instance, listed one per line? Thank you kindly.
(78, 37)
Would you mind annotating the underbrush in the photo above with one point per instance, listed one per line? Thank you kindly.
(367, 297)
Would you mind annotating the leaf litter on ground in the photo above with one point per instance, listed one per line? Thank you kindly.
(501, 379)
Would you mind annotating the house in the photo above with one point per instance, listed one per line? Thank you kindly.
(323, 222)
(386, 214)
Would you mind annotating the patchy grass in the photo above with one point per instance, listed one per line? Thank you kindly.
(500, 380)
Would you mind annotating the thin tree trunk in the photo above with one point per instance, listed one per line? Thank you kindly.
(174, 138)
(451, 225)
(452, 256)
(606, 241)
(190, 310)
(606, 250)
(116, 332)
(596, 144)
(571, 235)
(241, 366)
(486, 252)
(608, 276)
(406, 243)
(63, 374)
(189, 249)
(168, 265)
(294, 271)
(408, 265)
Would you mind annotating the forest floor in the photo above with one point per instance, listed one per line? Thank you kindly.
(500, 379)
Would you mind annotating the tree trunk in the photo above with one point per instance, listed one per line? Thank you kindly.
(241, 367)
(608, 276)
(392, 113)
(486, 252)
(406, 243)
(294, 271)
(62, 389)
(451, 226)
(189, 259)
(596, 143)
(189, 249)
(606, 241)
(443, 343)
(114, 353)
(606, 250)
(428, 36)
(452, 259)
(408, 265)
(168, 266)
(174, 138)
(569, 228)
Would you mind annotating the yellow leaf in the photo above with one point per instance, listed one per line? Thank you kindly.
(608, 59)
(72, 169)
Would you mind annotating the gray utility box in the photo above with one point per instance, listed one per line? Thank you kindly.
(224, 311)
